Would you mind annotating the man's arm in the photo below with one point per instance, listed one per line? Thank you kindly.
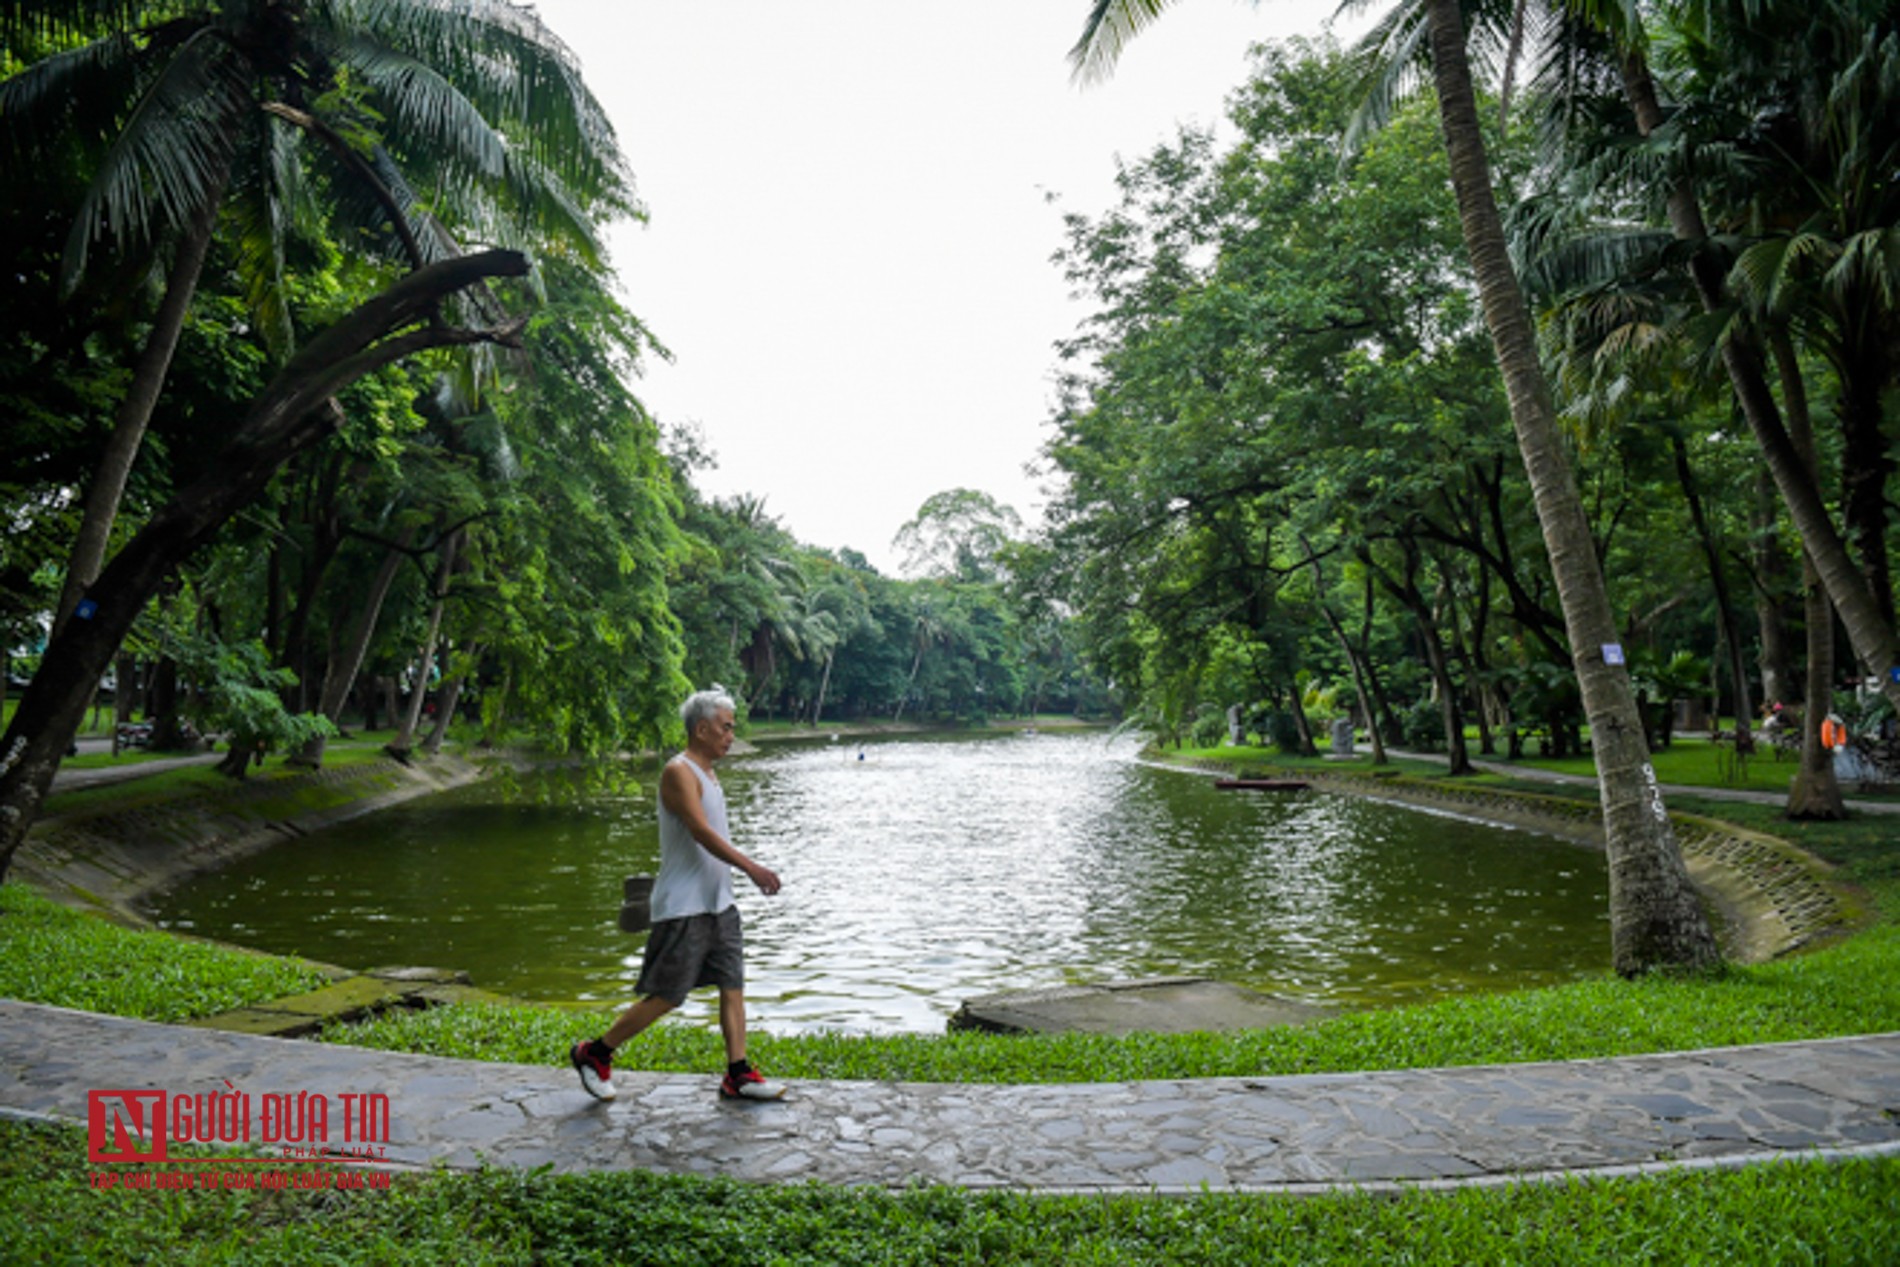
(679, 792)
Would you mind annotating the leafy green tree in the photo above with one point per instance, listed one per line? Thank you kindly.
(1656, 919)
(445, 83)
(960, 533)
(188, 109)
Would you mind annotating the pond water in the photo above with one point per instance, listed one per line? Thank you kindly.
(930, 870)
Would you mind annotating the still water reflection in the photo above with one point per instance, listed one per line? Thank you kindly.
(927, 871)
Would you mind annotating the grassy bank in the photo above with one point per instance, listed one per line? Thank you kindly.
(52, 954)
(757, 728)
(1794, 1212)
(1691, 761)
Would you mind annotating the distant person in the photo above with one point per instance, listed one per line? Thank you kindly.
(696, 939)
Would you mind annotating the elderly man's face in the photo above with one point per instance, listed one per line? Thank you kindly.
(716, 732)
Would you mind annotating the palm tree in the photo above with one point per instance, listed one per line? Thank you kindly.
(1865, 76)
(204, 106)
(927, 628)
(1803, 100)
(189, 110)
(1656, 918)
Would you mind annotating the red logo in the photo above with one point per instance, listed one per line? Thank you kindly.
(125, 1126)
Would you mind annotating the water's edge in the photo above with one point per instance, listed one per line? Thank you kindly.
(115, 859)
(1769, 897)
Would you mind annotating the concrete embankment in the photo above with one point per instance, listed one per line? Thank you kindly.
(110, 851)
(1769, 896)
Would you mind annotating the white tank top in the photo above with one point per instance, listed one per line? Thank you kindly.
(691, 880)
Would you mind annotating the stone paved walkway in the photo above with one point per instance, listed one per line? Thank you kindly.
(1282, 1134)
(70, 779)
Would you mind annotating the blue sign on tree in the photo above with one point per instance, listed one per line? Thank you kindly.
(86, 609)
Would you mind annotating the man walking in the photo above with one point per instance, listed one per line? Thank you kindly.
(696, 938)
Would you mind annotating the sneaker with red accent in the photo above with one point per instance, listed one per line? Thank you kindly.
(750, 1085)
(597, 1075)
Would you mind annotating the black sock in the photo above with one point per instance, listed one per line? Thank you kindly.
(599, 1050)
(738, 1067)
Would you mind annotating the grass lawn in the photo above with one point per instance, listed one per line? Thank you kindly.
(1689, 762)
(1696, 762)
(1805, 1212)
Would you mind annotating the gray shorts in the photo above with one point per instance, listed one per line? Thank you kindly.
(695, 950)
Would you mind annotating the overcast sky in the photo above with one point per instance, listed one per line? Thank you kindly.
(849, 237)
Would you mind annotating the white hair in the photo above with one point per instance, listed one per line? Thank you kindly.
(702, 705)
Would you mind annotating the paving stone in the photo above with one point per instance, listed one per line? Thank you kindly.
(1669, 1106)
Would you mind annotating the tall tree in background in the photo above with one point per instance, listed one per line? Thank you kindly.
(1656, 918)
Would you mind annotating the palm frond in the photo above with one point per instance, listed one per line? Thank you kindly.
(1596, 258)
(262, 220)
(81, 89)
(1110, 27)
(171, 156)
(506, 61)
(424, 105)
(1390, 64)
(1867, 263)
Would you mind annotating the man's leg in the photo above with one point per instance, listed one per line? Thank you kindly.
(742, 1081)
(593, 1058)
(641, 1015)
(732, 1023)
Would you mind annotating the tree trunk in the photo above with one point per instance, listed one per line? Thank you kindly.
(1461, 651)
(915, 664)
(1450, 715)
(824, 685)
(446, 702)
(326, 538)
(392, 699)
(1771, 566)
(288, 417)
(398, 747)
(1359, 683)
(274, 601)
(1869, 628)
(165, 734)
(1866, 465)
(1301, 722)
(107, 488)
(124, 675)
(1815, 793)
(1656, 918)
(1725, 622)
(1379, 715)
(339, 676)
(495, 708)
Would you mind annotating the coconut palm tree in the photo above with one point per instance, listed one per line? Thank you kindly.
(1656, 919)
(198, 115)
(1846, 101)
(1779, 119)
(195, 116)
